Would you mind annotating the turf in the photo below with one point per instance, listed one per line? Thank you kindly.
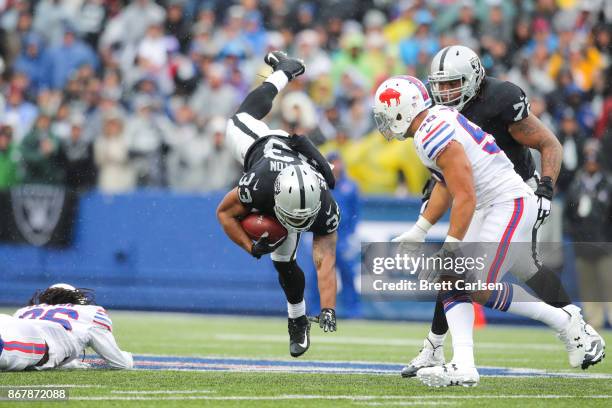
(265, 338)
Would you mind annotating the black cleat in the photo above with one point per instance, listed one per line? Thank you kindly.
(279, 61)
(299, 336)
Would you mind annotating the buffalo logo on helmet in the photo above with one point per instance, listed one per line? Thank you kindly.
(388, 95)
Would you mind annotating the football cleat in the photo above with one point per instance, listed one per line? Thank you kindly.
(449, 374)
(299, 336)
(429, 356)
(595, 347)
(574, 336)
(279, 61)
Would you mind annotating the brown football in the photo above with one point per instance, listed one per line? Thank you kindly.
(255, 225)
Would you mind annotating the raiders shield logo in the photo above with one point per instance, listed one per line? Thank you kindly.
(37, 210)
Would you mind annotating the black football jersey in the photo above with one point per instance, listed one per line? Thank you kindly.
(497, 105)
(262, 163)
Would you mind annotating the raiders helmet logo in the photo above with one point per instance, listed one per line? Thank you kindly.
(475, 63)
(277, 187)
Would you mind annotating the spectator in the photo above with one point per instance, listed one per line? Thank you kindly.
(222, 171)
(587, 214)
(90, 19)
(78, 160)
(30, 61)
(214, 96)
(64, 59)
(423, 40)
(177, 25)
(145, 132)
(50, 18)
(19, 113)
(572, 139)
(9, 159)
(41, 154)
(111, 154)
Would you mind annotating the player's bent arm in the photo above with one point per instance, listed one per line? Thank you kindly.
(460, 184)
(103, 342)
(439, 202)
(324, 257)
(533, 133)
(228, 213)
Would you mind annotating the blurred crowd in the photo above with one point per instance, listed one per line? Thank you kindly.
(119, 95)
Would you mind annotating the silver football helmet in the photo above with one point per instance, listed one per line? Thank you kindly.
(455, 63)
(297, 197)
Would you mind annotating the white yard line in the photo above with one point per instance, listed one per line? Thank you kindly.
(373, 341)
(337, 397)
(161, 392)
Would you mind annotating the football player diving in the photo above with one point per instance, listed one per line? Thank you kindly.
(285, 176)
(500, 108)
(54, 330)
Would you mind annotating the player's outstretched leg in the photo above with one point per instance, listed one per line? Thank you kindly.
(291, 279)
(299, 336)
(461, 370)
(432, 353)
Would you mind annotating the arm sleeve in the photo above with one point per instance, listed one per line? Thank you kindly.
(103, 342)
(514, 105)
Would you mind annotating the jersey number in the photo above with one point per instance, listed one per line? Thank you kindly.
(272, 150)
(479, 135)
(50, 316)
(243, 192)
(520, 107)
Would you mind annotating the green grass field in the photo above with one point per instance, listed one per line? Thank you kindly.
(265, 338)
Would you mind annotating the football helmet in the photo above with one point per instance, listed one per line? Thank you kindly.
(397, 102)
(455, 63)
(297, 197)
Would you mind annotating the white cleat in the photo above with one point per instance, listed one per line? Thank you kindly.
(595, 347)
(574, 336)
(448, 375)
(429, 356)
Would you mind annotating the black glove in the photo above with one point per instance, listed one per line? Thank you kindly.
(544, 193)
(302, 144)
(327, 320)
(279, 61)
(264, 246)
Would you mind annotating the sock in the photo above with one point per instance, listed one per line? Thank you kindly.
(548, 287)
(436, 339)
(439, 325)
(278, 79)
(296, 310)
(514, 299)
(460, 316)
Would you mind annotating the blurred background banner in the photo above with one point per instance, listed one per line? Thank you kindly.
(37, 215)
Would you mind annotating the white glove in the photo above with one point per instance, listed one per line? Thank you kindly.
(544, 207)
(417, 233)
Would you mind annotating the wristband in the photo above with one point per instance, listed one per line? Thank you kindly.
(278, 79)
(452, 239)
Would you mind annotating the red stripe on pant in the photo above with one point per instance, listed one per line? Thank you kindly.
(502, 249)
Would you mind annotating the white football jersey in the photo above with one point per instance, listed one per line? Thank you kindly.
(494, 177)
(81, 326)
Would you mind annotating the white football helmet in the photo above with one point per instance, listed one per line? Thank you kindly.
(297, 197)
(455, 63)
(397, 102)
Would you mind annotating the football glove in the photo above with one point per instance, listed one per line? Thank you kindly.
(450, 250)
(265, 246)
(544, 193)
(327, 320)
(279, 61)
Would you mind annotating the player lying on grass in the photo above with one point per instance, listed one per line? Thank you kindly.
(490, 203)
(500, 108)
(284, 176)
(54, 331)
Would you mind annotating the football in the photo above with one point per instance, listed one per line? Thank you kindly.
(256, 225)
